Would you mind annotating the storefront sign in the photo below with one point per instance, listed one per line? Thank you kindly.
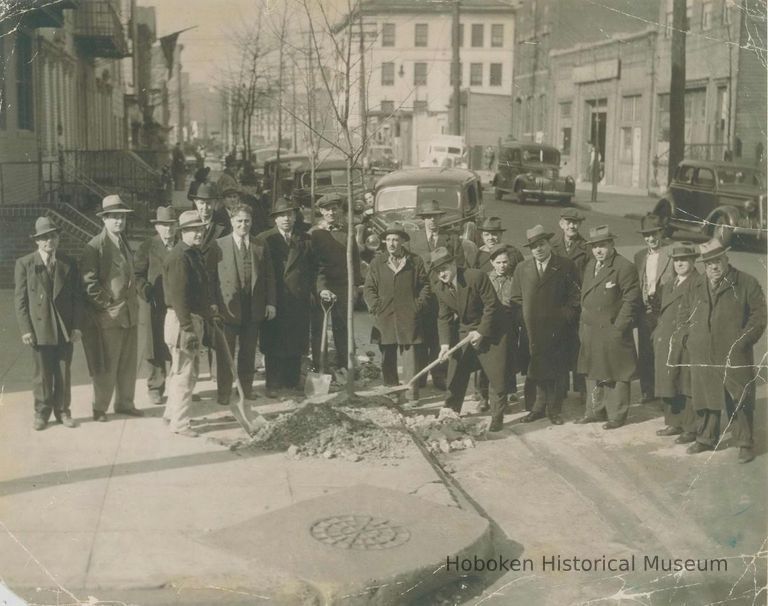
(594, 72)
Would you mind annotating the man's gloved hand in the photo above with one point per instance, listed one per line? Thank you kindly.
(270, 312)
(443, 355)
(327, 296)
(476, 338)
(189, 341)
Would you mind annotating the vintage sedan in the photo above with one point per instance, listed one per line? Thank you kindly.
(531, 171)
(720, 199)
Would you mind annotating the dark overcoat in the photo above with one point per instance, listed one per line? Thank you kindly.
(473, 306)
(148, 269)
(330, 250)
(397, 300)
(609, 304)
(550, 306)
(294, 270)
(722, 329)
(671, 361)
(45, 303)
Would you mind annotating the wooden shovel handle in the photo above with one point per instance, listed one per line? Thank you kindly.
(437, 362)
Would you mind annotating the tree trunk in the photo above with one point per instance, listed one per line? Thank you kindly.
(351, 286)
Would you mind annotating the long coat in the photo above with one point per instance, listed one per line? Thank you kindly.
(46, 304)
(226, 287)
(148, 269)
(578, 253)
(671, 361)
(330, 250)
(397, 300)
(722, 329)
(287, 335)
(609, 304)
(550, 305)
(473, 306)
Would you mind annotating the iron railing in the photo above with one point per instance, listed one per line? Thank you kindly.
(98, 30)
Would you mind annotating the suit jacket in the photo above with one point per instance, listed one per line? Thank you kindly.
(550, 305)
(579, 252)
(419, 245)
(609, 304)
(213, 232)
(294, 269)
(664, 273)
(226, 286)
(330, 249)
(49, 307)
(723, 328)
(148, 269)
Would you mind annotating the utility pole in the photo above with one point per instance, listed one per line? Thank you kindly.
(456, 69)
(677, 89)
(179, 90)
(293, 102)
(363, 102)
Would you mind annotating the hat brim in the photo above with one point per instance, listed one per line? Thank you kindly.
(716, 255)
(607, 238)
(494, 230)
(684, 256)
(396, 232)
(580, 219)
(114, 211)
(650, 230)
(428, 213)
(439, 264)
(283, 210)
(545, 236)
(163, 221)
(191, 225)
(44, 233)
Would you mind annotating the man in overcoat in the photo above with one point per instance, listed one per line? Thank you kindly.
(610, 298)
(469, 307)
(569, 243)
(672, 376)
(148, 268)
(547, 288)
(726, 316)
(396, 292)
(111, 340)
(48, 306)
(654, 270)
(285, 338)
(243, 289)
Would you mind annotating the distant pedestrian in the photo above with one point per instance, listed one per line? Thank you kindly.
(49, 307)
(148, 268)
(178, 167)
(111, 342)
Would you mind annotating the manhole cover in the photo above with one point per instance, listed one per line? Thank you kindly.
(359, 532)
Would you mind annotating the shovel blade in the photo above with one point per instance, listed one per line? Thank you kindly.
(317, 384)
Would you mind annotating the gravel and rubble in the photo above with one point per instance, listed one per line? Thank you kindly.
(448, 431)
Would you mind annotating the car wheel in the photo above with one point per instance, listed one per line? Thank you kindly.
(498, 194)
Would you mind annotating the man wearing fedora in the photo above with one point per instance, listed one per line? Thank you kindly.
(285, 338)
(48, 306)
(148, 268)
(570, 244)
(654, 269)
(243, 289)
(725, 314)
(469, 307)
(396, 293)
(672, 374)
(329, 245)
(491, 232)
(189, 306)
(610, 298)
(547, 289)
(111, 341)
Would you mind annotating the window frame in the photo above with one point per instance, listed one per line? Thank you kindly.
(421, 35)
(477, 36)
(472, 80)
(25, 87)
(500, 79)
(384, 68)
(497, 35)
(419, 66)
(388, 37)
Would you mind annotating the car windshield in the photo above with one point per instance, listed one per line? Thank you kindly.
(331, 177)
(737, 176)
(540, 155)
(410, 196)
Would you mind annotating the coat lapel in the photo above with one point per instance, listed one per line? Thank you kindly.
(292, 253)
(462, 293)
(61, 269)
(552, 267)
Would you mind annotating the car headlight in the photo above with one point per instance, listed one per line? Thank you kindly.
(750, 206)
(359, 206)
(372, 242)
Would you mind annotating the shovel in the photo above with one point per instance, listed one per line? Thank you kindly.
(240, 411)
(319, 383)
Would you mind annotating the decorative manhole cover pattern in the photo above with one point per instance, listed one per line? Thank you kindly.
(359, 532)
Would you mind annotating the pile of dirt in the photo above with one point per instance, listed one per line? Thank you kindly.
(448, 431)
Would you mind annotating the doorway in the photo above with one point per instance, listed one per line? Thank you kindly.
(598, 119)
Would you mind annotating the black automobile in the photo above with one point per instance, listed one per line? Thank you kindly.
(531, 171)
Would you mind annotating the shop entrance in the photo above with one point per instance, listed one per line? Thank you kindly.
(597, 120)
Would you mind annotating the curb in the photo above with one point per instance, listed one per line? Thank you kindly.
(589, 207)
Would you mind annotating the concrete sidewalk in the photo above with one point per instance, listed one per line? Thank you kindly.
(624, 202)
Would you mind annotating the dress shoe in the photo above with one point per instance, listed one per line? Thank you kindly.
(100, 416)
(223, 401)
(187, 433)
(669, 431)
(685, 438)
(483, 406)
(646, 398)
(612, 425)
(155, 398)
(496, 425)
(66, 420)
(532, 416)
(697, 447)
(39, 423)
(587, 419)
(271, 394)
(131, 412)
(512, 398)
(746, 454)
(556, 419)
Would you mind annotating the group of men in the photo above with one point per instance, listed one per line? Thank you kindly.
(563, 316)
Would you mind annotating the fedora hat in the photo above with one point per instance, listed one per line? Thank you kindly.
(601, 233)
(498, 249)
(113, 204)
(712, 250)
(230, 189)
(204, 191)
(430, 207)
(439, 257)
(683, 250)
(650, 223)
(572, 214)
(165, 214)
(189, 219)
(536, 233)
(329, 200)
(492, 224)
(283, 205)
(396, 229)
(43, 226)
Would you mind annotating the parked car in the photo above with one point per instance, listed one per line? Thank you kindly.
(720, 199)
(531, 171)
(330, 177)
(380, 160)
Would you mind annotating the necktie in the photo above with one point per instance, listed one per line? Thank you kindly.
(433, 240)
(540, 267)
(598, 267)
(287, 238)
(49, 264)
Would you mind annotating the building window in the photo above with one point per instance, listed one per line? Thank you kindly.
(461, 34)
(420, 105)
(495, 74)
(387, 107)
(420, 34)
(419, 74)
(25, 101)
(565, 110)
(565, 141)
(625, 152)
(475, 74)
(497, 35)
(387, 74)
(388, 34)
(477, 34)
(706, 16)
(630, 108)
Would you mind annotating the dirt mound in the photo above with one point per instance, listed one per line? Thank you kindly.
(447, 432)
